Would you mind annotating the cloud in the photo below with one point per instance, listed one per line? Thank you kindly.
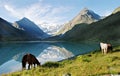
(39, 13)
(12, 11)
(2, 2)
(107, 13)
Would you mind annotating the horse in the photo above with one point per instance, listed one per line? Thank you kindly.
(105, 47)
(30, 59)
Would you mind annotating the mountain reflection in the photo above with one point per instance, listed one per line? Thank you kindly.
(54, 53)
(11, 53)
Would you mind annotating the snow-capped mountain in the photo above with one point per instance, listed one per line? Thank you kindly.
(50, 29)
(85, 16)
(30, 28)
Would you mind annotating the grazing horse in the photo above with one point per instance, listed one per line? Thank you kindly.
(30, 59)
(105, 47)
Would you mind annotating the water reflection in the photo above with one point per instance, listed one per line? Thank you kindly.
(54, 53)
(10, 66)
(11, 53)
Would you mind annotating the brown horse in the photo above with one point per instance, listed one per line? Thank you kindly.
(30, 59)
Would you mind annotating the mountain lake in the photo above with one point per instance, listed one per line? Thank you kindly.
(11, 53)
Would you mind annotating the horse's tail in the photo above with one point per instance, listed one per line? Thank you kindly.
(110, 47)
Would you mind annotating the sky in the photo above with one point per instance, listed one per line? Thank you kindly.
(52, 12)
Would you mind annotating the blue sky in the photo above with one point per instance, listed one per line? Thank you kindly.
(52, 12)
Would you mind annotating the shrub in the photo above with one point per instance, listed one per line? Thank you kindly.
(51, 64)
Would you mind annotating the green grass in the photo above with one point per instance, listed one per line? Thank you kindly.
(105, 30)
(92, 64)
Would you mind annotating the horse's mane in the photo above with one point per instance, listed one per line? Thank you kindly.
(30, 59)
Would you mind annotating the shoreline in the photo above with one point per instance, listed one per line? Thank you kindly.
(100, 65)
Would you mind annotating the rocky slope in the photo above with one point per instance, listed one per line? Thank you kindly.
(116, 10)
(103, 30)
(85, 16)
(30, 28)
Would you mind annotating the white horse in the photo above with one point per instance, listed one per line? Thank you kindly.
(105, 47)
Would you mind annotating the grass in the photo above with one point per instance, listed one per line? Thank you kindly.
(96, 31)
(92, 64)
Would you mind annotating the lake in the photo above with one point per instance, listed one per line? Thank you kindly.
(11, 53)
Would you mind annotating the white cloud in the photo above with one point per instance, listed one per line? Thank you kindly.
(40, 13)
(2, 2)
(12, 11)
(107, 13)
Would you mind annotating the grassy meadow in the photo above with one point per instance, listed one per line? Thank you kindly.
(92, 64)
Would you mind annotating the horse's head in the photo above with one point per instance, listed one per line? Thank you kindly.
(38, 63)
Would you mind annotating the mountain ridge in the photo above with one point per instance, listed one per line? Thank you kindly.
(85, 16)
(31, 28)
(10, 32)
(87, 25)
(116, 10)
(105, 30)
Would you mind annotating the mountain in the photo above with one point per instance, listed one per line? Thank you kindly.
(8, 32)
(20, 31)
(30, 28)
(85, 16)
(107, 29)
(116, 10)
(50, 29)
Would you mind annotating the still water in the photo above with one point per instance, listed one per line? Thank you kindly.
(11, 53)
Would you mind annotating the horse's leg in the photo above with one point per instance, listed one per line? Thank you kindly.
(23, 65)
(28, 66)
(102, 51)
(34, 65)
(105, 50)
(111, 48)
